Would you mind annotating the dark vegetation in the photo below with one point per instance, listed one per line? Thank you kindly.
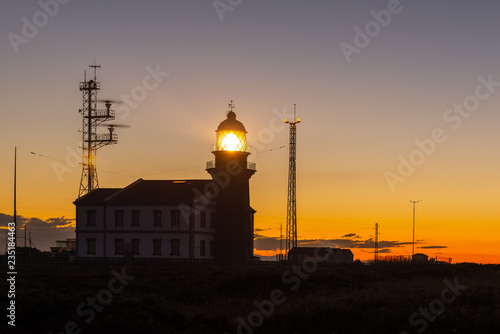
(204, 298)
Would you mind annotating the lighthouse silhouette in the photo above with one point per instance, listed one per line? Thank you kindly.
(232, 172)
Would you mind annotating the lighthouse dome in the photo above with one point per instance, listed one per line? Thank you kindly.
(231, 123)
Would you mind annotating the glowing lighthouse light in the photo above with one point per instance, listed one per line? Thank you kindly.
(232, 141)
(231, 134)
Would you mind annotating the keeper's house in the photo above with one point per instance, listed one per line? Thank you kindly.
(146, 219)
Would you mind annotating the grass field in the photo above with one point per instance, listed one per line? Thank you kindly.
(266, 298)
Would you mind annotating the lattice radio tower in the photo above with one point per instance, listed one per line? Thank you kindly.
(91, 141)
(291, 216)
(376, 241)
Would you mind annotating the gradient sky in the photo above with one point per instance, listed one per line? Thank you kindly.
(358, 117)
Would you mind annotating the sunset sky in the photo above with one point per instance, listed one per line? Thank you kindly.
(399, 101)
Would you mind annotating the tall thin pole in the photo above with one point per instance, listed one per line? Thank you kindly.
(29, 252)
(15, 195)
(413, 244)
(376, 242)
(281, 241)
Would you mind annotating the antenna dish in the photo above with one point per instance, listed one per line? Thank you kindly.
(113, 125)
(110, 101)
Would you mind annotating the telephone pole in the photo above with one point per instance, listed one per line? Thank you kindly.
(280, 258)
(413, 244)
(376, 241)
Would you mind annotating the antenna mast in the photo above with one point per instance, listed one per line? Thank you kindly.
(413, 244)
(91, 141)
(291, 216)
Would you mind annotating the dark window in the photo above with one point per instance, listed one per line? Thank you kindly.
(212, 250)
(157, 217)
(156, 246)
(202, 247)
(203, 219)
(135, 217)
(135, 246)
(119, 246)
(90, 217)
(118, 218)
(91, 246)
(176, 219)
(212, 220)
(175, 247)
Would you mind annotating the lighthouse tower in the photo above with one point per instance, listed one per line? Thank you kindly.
(231, 172)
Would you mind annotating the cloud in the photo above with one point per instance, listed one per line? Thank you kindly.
(267, 243)
(43, 233)
(264, 243)
(37, 224)
(350, 243)
(261, 229)
(433, 247)
(352, 236)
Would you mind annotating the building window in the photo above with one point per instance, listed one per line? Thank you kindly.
(202, 247)
(203, 219)
(176, 219)
(118, 218)
(90, 217)
(91, 246)
(175, 247)
(157, 217)
(135, 217)
(136, 246)
(212, 220)
(119, 246)
(212, 248)
(156, 246)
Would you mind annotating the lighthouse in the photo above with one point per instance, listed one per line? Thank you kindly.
(232, 172)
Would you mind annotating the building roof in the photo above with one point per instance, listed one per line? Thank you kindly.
(97, 195)
(148, 192)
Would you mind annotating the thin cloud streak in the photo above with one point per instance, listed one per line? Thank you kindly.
(271, 243)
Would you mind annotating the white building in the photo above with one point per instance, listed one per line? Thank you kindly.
(147, 219)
